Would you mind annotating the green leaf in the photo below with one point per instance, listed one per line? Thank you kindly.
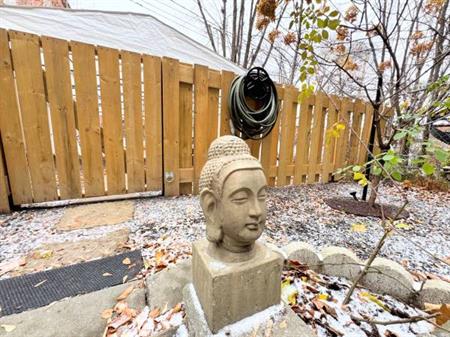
(441, 155)
(377, 170)
(397, 175)
(325, 34)
(321, 23)
(356, 168)
(428, 168)
(290, 25)
(302, 76)
(333, 24)
(334, 14)
(388, 157)
(311, 70)
(400, 135)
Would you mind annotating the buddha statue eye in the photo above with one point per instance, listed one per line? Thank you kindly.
(239, 197)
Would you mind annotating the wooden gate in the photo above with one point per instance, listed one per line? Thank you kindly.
(78, 120)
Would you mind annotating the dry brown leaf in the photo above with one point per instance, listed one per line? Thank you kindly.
(444, 314)
(126, 261)
(107, 313)
(120, 307)
(158, 256)
(177, 308)
(125, 293)
(120, 320)
(23, 261)
(154, 313)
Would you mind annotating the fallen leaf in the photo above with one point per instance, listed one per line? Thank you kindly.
(125, 278)
(8, 327)
(359, 228)
(120, 307)
(283, 324)
(402, 225)
(107, 274)
(40, 283)
(120, 320)
(158, 256)
(125, 293)
(107, 313)
(444, 314)
(177, 308)
(23, 261)
(154, 313)
(323, 297)
(373, 299)
(126, 261)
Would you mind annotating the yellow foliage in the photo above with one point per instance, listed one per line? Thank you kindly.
(359, 227)
(373, 298)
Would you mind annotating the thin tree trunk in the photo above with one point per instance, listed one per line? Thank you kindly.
(251, 21)
(224, 28)
(234, 33)
(208, 27)
(374, 190)
(240, 32)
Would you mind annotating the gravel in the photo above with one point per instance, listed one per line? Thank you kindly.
(294, 213)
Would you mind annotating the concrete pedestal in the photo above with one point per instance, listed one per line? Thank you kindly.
(230, 291)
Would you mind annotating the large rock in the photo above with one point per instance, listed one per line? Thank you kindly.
(304, 253)
(166, 287)
(73, 317)
(436, 292)
(231, 291)
(338, 261)
(277, 321)
(388, 277)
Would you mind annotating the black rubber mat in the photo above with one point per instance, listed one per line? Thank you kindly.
(36, 290)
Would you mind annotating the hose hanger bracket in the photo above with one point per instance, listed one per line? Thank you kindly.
(253, 104)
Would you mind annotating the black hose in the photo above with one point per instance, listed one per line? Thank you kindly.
(253, 123)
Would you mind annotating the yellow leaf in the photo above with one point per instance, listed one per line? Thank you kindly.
(358, 176)
(292, 298)
(373, 299)
(363, 182)
(285, 283)
(288, 292)
(8, 327)
(126, 261)
(158, 256)
(340, 126)
(359, 228)
(402, 225)
(323, 297)
(444, 315)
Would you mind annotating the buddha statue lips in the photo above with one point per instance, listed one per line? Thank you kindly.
(233, 195)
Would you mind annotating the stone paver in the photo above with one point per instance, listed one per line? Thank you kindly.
(72, 317)
(95, 215)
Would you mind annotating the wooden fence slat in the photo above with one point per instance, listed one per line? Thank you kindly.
(270, 145)
(88, 117)
(30, 86)
(330, 142)
(201, 110)
(112, 119)
(59, 92)
(171, 120)
(355, 136)
(185, 132)
(11, 131)
(4, 201)
(287, 135)
(131, 68)
(303, 140)
(317, 138)
(227, 79)
(213, 114)
(153, 123)
(368, 116)
(342, 146)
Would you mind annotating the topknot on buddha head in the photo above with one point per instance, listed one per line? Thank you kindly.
(226, 154)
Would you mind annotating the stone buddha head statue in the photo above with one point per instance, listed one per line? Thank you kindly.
(233, 195)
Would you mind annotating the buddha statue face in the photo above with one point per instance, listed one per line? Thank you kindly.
(233, 198)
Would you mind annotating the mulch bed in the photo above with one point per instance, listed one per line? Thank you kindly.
(363, 208)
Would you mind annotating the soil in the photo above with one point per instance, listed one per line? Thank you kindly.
(363, 208)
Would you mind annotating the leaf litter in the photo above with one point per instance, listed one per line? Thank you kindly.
(318, 299)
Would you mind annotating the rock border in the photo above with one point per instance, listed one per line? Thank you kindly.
(384, 276)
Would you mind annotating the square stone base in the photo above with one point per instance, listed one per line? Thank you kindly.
(231, 291)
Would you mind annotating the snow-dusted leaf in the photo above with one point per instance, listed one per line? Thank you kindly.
(8, 327)
(359, 228)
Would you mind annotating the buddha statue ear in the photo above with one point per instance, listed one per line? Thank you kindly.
(209, 202)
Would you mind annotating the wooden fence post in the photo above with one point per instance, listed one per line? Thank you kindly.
(4, 201)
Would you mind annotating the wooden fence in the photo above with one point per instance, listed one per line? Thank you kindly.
(78, 120)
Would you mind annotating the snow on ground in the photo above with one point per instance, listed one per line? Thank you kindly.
(294, 213)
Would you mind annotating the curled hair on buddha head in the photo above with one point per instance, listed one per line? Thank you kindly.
(226, 155)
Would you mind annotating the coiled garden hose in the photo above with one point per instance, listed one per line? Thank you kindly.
(253, 123)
